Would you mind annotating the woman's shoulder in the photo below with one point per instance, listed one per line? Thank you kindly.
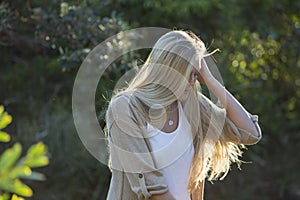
(120, 103)
(120, 99)
(118, 107)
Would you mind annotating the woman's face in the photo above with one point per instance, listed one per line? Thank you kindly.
(192, 80)
(191, 83)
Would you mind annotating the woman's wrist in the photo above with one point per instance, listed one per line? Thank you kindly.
(217, 89)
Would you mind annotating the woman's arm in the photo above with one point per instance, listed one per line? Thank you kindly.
(235, 111)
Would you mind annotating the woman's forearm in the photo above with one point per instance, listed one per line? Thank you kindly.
(235, 111)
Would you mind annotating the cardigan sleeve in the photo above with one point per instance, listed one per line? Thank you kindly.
(129, 151)
(230, 132)
(237, 135)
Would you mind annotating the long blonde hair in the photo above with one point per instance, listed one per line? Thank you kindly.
(162, 80)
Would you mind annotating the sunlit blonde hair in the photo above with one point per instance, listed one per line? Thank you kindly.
(162, 80)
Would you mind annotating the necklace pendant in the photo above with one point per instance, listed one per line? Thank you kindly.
(171, 122)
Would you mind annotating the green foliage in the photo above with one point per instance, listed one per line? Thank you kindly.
(39, 98)
(75, 30)
(261, 64)
(5, 119)
(5, 18)
(13, 167)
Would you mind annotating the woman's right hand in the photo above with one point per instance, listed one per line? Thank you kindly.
(205, 74)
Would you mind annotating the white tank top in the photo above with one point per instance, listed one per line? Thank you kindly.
(173, 153)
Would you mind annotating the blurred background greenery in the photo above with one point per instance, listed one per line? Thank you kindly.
(42, 44)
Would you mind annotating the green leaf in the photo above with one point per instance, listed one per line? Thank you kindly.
(39, 161)
(36, 157)
(15, 197)
(4, 196)
(36, 176)
(9, 157)
(15, 186)
(37, 149)
(26, 173)
(20, 171)
(4, 137)
(6, 184)
(21, 189)
(1, 109)
(5, 119)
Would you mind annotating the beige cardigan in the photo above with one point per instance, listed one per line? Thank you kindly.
(134, 173)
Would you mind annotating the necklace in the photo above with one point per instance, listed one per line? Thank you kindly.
(170, 122)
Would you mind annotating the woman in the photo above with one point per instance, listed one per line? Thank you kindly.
(166, 137)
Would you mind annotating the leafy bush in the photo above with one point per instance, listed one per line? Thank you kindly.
(13, 167)
(75, 30)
